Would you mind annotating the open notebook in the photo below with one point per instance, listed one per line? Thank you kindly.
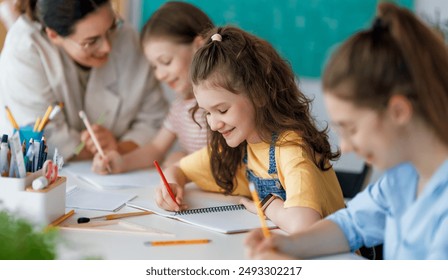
(136, 179)
(207, 210)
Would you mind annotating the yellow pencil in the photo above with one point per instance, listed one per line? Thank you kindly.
(177, 242)
(36, 124)
(61, 219)
(11, 118)
(45, 119)
(264, 226)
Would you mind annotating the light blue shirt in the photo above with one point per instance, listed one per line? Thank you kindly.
(388, 212)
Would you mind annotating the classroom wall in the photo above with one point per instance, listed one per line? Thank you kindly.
(304, 32)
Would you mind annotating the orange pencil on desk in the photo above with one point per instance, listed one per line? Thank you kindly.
(165, 182)
(264, 226)
(177, 242)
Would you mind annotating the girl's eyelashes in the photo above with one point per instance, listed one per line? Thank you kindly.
(222, 111)
(165, 61)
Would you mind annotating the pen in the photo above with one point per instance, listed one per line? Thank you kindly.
(177, 242)
(165, 182)
(61, 219)
(83, 220)
(256, 200)
(83, 116)
(11, 118)
(44, 120)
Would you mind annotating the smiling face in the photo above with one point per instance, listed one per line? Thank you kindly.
(380, 139)
(171, 62)
(228, 113)
(90, 43)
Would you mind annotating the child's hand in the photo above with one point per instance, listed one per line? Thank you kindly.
(249, 204)
(165, 201)
(261, 248)
(111, 158)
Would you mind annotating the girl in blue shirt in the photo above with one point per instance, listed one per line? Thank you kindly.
(386, 91)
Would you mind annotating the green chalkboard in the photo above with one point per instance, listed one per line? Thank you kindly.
(303, 31)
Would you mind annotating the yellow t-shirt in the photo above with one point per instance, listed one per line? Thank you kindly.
(305, 184)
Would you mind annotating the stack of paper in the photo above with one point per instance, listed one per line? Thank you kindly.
(81, 198)
(136, 179)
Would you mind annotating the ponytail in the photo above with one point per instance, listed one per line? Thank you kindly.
(398, 55)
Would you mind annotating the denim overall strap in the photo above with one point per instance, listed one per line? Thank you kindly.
(265, 186)
(272, 162)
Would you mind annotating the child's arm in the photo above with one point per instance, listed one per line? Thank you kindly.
(322, 238)
(291, 220)
(139, 158)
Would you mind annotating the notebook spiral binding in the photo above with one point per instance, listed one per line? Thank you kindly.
(211, 209)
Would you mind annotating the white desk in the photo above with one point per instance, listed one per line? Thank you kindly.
(82, 244)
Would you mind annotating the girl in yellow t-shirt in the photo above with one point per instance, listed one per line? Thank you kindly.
(260, 130)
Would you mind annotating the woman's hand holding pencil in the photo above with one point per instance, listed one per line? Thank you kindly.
(84, 118)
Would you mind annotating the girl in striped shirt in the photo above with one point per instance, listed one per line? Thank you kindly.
(169, 40)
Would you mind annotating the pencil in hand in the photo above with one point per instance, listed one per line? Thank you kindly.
(81, 145)
(165, 182)
(264, 226)
(83, 116)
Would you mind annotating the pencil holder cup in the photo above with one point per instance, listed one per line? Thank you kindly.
(27, 132)
(41, 207)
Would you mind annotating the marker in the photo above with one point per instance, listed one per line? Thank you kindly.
(4, 151)
(165, 182)
(83, 116)
(177, 242)
(11, 118)
(264, 226)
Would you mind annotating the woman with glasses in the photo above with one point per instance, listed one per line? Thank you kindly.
(81, 54)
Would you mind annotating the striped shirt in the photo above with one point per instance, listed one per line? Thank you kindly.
(191, 137)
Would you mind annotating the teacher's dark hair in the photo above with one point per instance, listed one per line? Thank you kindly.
(60, 15)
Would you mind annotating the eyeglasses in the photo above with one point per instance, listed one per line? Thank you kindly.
(95, 44)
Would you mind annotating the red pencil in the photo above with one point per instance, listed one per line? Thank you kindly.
(165, 182)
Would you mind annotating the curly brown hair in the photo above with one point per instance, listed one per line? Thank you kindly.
(245, 64)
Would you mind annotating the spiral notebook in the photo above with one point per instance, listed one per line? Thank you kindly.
(226, 218)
